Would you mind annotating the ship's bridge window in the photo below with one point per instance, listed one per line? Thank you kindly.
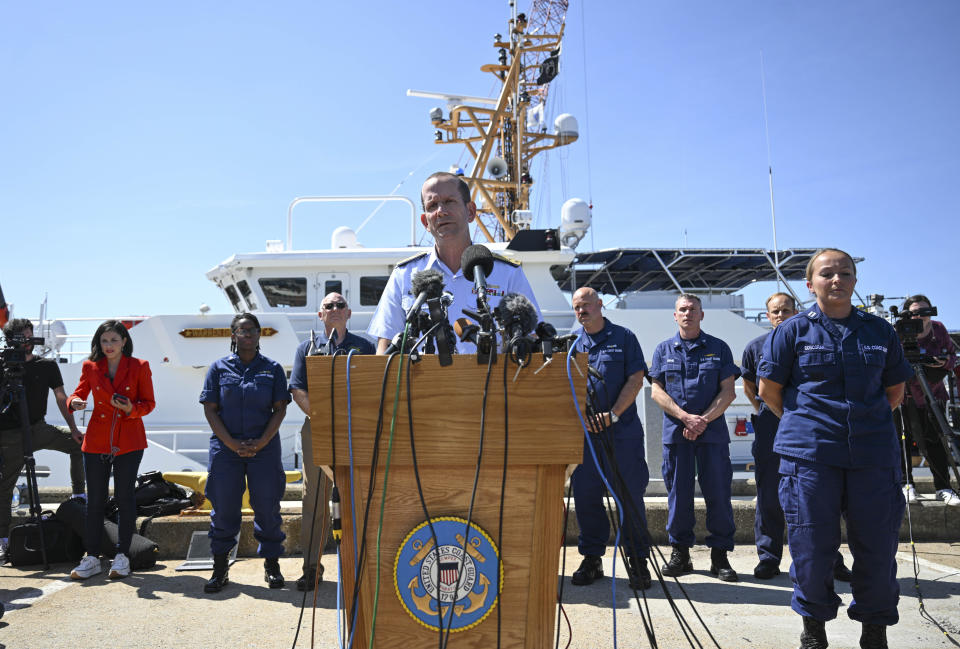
(371, 288)
(234, 297)
(284, 291)
(332, 286)
(247, 294)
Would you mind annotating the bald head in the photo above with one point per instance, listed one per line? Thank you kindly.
(587, 306)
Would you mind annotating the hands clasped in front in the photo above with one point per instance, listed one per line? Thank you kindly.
(247, 447)
(693, 425)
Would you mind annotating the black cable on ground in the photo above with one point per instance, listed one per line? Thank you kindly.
(316, 496)
(924, 614)
(631, 514)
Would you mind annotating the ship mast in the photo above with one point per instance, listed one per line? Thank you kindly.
(504, 135)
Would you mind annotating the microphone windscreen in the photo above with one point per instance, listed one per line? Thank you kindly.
(473, 256)
(429, 280)
(545, 331)
(515, 304)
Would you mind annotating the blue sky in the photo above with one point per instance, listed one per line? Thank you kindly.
(144, 143)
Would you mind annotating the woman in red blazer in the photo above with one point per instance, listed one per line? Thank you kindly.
(122, 389)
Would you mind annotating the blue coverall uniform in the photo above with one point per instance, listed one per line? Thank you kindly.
(615, 352)
(839, 456)
(245, 395)
(691, 371)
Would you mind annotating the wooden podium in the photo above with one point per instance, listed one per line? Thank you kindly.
(545, 435)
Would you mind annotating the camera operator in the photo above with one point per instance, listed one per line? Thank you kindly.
(39, 376)
(935, 342)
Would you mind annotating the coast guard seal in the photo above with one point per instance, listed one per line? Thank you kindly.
(461, 577)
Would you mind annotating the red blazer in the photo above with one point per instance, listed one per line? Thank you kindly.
(133, 380)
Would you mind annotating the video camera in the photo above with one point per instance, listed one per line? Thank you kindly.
(14, 353)
(909, 327)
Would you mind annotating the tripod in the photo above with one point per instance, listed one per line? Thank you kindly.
(12, 389)
(943, 429)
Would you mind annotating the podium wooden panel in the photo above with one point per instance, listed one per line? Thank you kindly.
(544, 436)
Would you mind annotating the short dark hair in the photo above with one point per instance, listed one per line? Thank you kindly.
(461, 185)
(913, 299)
(16, 326)
(117, 327)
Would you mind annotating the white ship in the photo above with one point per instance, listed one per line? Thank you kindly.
(284, 285)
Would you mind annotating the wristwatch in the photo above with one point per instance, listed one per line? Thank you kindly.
(613, 417)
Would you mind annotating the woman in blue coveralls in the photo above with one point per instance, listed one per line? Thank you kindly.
(834, 374)
(244, 399)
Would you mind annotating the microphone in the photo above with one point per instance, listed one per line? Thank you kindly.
(426, 284)
(440, 324)
(477, 263)
(331, 343)
(466, 331)
(517, 317)
(546, 333)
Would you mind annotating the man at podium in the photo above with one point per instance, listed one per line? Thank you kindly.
(447, 215)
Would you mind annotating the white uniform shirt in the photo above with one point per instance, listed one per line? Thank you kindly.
(397, 297)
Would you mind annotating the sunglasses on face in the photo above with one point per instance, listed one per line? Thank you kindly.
(246, 331)
(330, 306)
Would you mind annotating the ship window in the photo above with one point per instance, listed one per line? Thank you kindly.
(284, 291)
(371, 288)
(247, 294)
(332, 286)
(234, 297)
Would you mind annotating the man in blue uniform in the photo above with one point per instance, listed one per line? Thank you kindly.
(616, 355)
(693, 377)
(768, 528)
(834, 374)
(334, 314)
(447, 215)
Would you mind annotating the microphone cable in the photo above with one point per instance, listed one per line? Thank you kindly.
(374, 462)
(503, 488)
(423, 500)
(685, 626)
(383, 496)
(614, 495)
(323, 530)
(915, 562)
(563, 570)
(473, 493)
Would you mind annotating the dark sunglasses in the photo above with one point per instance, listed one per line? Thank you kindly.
(330, 306)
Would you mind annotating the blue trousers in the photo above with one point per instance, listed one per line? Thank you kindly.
(710, 463)
(588, 492)
(227, 476)
(125, 469)
(814, 496)
(768, 523)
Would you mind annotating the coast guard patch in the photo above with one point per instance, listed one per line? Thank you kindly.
(459, 577)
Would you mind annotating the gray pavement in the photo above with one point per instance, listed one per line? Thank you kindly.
(164, 608)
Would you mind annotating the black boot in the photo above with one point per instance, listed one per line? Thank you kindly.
(873, 636)
(720, 566)
(814, 634)
(221, 567)
(309, 576)
(639, 573)
(591, 568)
(271, 573)
(679, 562)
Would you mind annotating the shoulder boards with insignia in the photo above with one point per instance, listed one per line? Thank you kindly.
(413, 258)
(512, 262)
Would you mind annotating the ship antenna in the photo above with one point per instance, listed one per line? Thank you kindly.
(766, 129)
(586, 113)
